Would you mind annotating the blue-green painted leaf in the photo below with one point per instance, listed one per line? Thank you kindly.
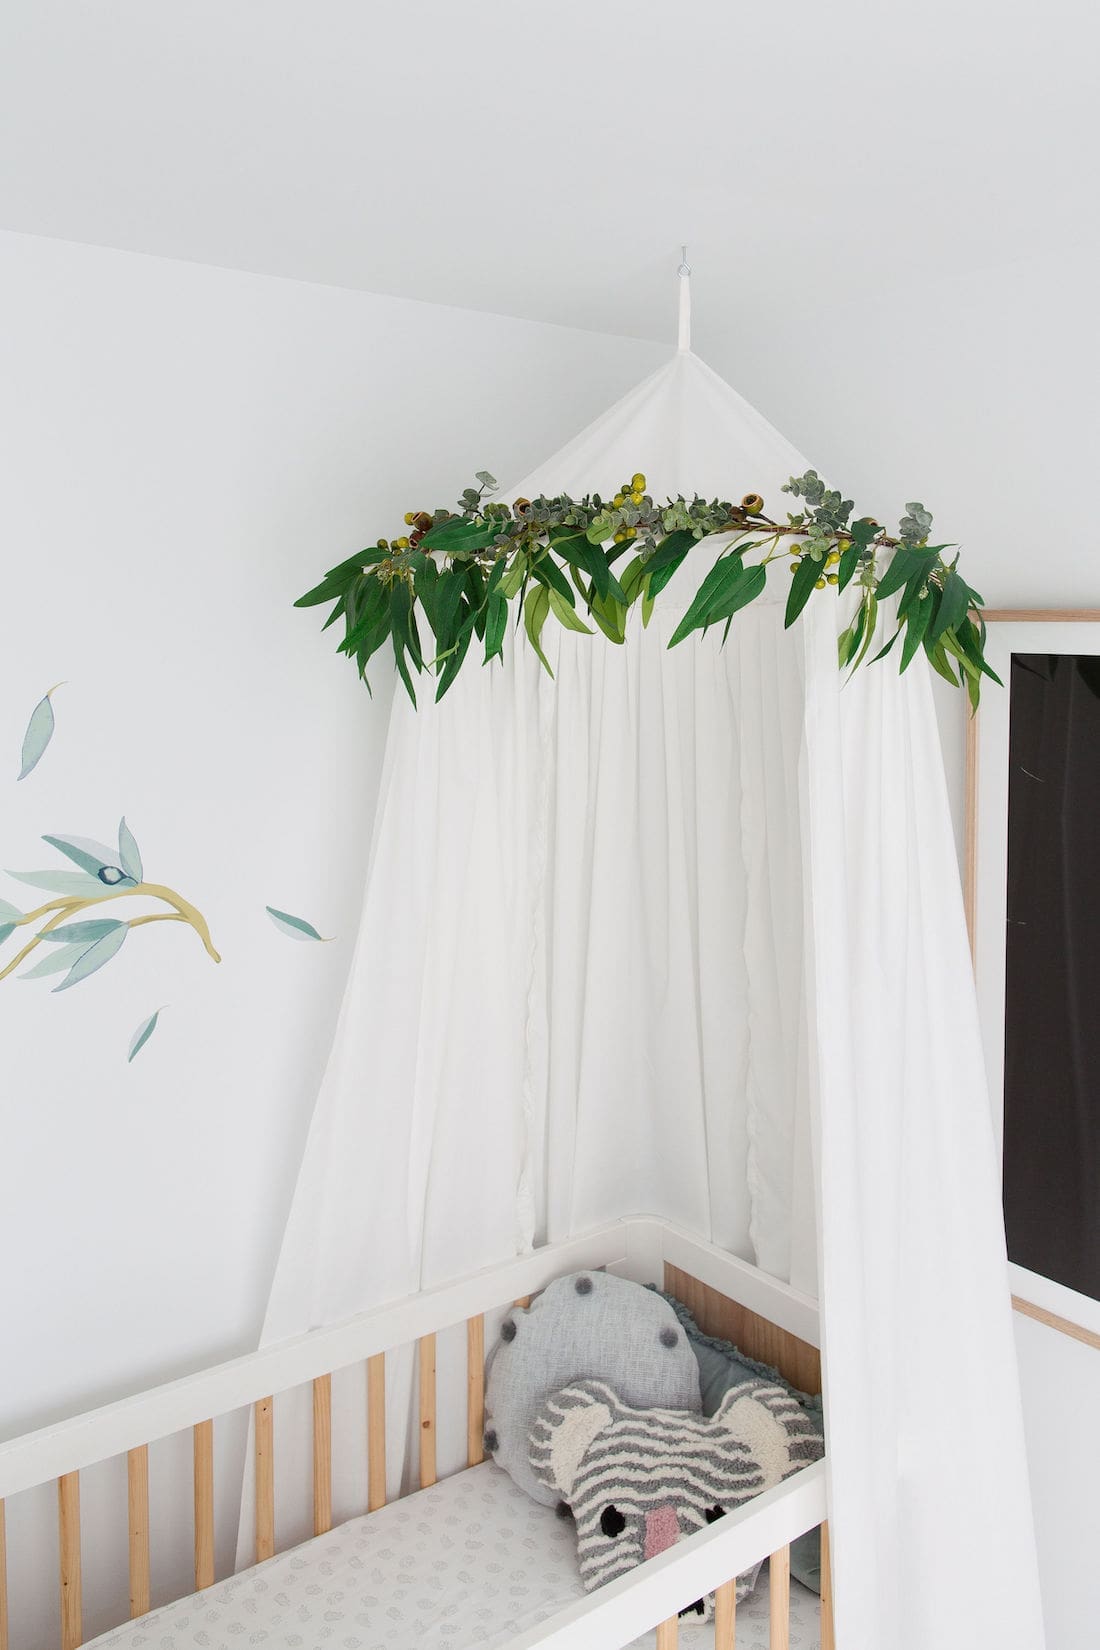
(129, 854)
(38, 735)
(60, 882)
(143, 1033)
(54, 962)
(95, 957)
(6, 928)
(85, 933)
(7, 911)
(92, 857)
(294, 926)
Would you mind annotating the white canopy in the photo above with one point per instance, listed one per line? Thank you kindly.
(632, 939)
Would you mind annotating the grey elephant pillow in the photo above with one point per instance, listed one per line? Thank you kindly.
(639, 1480)
(590, 1324)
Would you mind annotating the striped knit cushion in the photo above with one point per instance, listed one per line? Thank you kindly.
(639, 1479)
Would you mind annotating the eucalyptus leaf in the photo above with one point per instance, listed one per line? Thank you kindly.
(92, 857)
(143, 1033)
(6, 928)
(7, 910)
(83, 933)
(95, 957)
(61, 882)
(54, 962)
(129, 855)
(296, 928)
(566, 613)
(535, 608)
(39, 732)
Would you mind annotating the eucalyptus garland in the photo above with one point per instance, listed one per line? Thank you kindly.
(555, 558)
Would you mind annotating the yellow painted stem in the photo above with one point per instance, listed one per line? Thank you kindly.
(182, 911)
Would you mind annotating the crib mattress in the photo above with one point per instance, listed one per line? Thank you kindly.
(473, 1561)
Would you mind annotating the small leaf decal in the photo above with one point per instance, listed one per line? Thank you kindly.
(129, 855)
(6, 928)
(143, 1033)
(295, 927)
(54, 962)
(92, 857)
(60, 882)
(39, 733)
(95, 957)
(85, 933)
(7, 911)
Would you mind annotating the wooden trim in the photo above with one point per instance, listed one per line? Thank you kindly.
(725, 1616)
(3, 1580)
(524, 1301)
(426, 1369)
(203, 1452)
(668, 1634)
(68, 1534)
(779, 1599)
(828, 1633)
(137, 1520)
(716, 1314)
(970, 836)
(376, 1432)
(265, 1479)
(475, 1390)
(1041, 615)
(322, 1454)
(1064, 1326)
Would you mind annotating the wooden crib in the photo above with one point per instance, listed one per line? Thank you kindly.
(728, 1297)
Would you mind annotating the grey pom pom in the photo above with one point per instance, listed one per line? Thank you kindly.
(491, 1441)
(669, 1337)
(508, 1329)
(583, 1286)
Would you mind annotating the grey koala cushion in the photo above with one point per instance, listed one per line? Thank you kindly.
(588, 1324)
(637, 1480)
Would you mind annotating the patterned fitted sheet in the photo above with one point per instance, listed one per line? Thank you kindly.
(473, 1561)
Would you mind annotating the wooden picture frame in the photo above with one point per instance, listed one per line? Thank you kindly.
(1051, 631)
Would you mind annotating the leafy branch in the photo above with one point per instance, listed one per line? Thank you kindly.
(555, 557)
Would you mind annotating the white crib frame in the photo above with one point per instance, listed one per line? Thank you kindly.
(641, 1248)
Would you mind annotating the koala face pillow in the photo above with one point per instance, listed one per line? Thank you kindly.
(638, 1480)
(590, 1325)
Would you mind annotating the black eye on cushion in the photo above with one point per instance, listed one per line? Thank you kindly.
(712, 1514)
(612, 1522)
(508, 1330)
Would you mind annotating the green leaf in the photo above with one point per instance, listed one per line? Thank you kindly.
(746, 589)
(849, 561)
(129, 855)
(54, 962)
(92, 857)
(8, 911)
(535, 608)
(6, 928)
(937, 658)
(513, 577)
(38, 735)
(566, 613)
(953, 605)
(454, 663)
(82, 933)
(719, 583)
(803, 583)
(883, 651)
(668, 556)
(870, 624)
(143, 1033)
(95, 957)
(496, 625)
(906, 563)
(295, 928)
(60, 882)
(610, 615)
(458, 536)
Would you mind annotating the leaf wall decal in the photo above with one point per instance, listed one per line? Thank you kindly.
(6, 928)
(92, 857)
(54, 962)
(38, 735)
(95, 957)
(143, 1033)
(85, 933)
(295, 927)
(7, 911)
(60, 882)
(129, 854)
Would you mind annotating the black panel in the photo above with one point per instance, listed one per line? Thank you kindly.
(1052, 1000)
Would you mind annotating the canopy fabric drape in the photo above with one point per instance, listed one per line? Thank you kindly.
(657, 936)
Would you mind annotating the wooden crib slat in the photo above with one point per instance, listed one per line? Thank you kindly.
(265, 1479)
(137, 1518)
(828, 1636)
(779, 1599)
(668, 1634)
(68, 1532)
(426, 1363)
(322, 1454)
(376, 1432)
(203, 1450)
(725, 1616)
(3, 1580)
(475, 1390)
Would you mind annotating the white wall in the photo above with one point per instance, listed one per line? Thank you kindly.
(977, 395)
(186, 450)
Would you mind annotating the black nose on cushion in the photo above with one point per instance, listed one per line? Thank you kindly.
(699, 1607)
(714, 1513)
(583, 1286)
(612, 1522)
(492, 1442)
(508, 1330)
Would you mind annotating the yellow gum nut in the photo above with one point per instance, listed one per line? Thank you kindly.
(819, 584)
(618, 500)
(410, 517)
(833, 578)
(637, 482)
(832, 558)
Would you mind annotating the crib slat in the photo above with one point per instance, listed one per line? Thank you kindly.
(203, 1449)
(3, 1580)
(322, 1454)
(376, 1432)
(828, 1636)
(668, 1634)
(475, 1390)
(725, 1616)
(68, 1531)
(426, 1362)
(265, 1479)
(137, 1518)
(779, 1599)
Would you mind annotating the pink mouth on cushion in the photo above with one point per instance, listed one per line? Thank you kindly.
(662, 1530)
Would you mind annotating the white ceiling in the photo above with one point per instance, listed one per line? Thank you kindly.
(547, 161)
